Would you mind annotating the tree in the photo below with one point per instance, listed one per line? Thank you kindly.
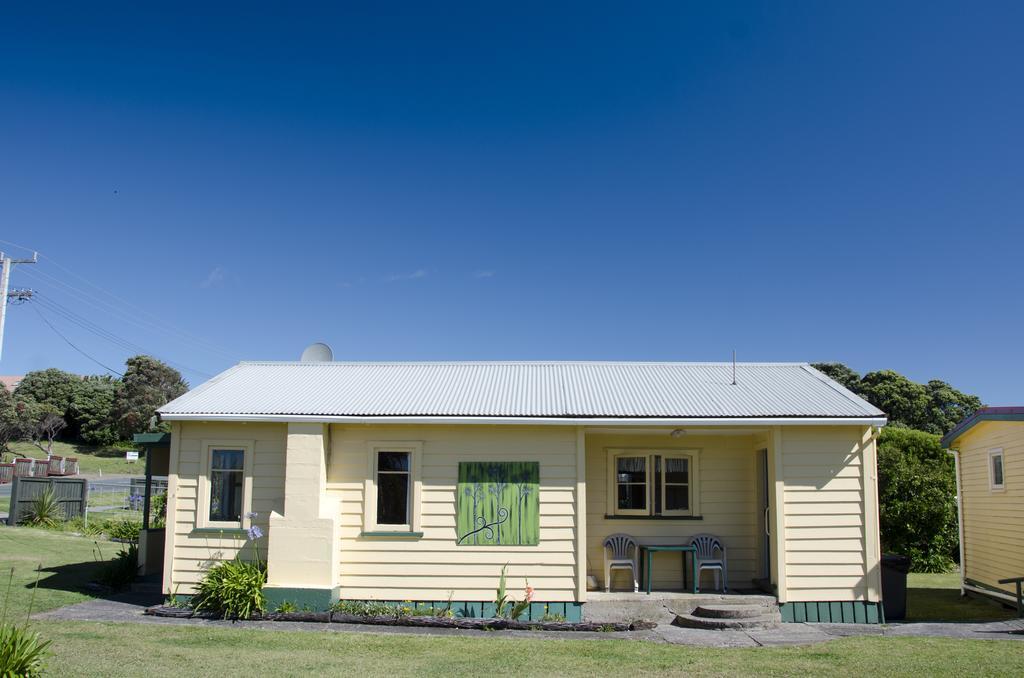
(903, 400)
(917, 498)
(947, 407)
(39, 422)
(49, 387)
(148, 384)
(935, 407)
(92, 410)
(839, 372)
(10, 425)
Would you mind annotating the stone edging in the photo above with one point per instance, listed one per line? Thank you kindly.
(418, 621)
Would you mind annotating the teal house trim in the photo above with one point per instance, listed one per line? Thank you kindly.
(833, 612)
(316, 600)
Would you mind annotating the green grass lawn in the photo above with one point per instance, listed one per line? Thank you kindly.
(92, 649)
(936, 597)
(91, 460)
(67, 562)
(107, 649)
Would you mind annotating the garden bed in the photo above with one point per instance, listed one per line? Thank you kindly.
(421, 621)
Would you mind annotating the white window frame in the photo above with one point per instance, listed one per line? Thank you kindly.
(992, 454)
(203, 521)
(415, 451)
(693, 486)
(614, 482)
(690, 466)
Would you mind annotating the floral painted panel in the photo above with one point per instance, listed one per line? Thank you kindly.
(498, 503)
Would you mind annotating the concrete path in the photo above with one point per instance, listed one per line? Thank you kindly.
(129, 607)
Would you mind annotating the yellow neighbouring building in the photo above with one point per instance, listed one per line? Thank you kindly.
(989, 451)
(419, 481)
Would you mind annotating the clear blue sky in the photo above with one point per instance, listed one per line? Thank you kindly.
(798, 181)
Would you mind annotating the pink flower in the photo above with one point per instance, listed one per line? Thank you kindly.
(529, 593)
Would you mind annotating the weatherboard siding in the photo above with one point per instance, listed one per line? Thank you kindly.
(993, 519)
(433, 567)
(830, 544)
(190, 552)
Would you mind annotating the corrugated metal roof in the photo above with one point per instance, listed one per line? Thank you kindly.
(522, 390)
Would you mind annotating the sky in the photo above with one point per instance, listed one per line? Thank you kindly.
(795, 181)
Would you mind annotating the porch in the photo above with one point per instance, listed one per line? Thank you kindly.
(663, 486)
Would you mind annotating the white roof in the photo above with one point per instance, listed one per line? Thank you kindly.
(530, 391)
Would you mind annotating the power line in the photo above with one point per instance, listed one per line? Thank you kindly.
(69, 342)
(156, 318)
(83, 296)
(156, 322)
(98, 330)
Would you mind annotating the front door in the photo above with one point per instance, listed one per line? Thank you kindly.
(764, 559)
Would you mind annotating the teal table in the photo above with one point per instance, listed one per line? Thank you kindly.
(646, 553)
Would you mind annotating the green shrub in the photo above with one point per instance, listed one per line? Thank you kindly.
(917, 499)
(233, 589)
(21, 651)
(45, 511)
(124, 529)
(158, 510)
(367, 608)
(286, 607)
(122, 570)
(92, 528)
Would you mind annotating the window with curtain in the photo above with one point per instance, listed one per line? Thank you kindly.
(653, 484)
(631, 481)
(227, 470)
(393, 488)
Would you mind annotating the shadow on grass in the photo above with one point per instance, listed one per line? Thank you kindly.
(80, 577)
(947, 605)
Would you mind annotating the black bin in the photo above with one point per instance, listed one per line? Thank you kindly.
(894, 586)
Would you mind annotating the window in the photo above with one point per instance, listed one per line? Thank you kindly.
(995, 470)
(393, 488)
(631, 479)
(225, 484)
(227, 470)
(652, 483)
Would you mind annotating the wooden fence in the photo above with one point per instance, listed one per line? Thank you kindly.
(71, 493)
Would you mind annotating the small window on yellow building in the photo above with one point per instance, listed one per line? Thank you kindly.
(227, 470)
(995, 470)
(393, 488)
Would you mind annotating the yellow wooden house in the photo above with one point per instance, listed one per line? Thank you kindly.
(989, 451)
(420, 481)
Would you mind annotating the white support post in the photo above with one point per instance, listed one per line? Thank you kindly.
(581, 515)
(778, 509)
(872, 547)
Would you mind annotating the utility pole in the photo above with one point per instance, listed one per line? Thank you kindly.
(21, 295)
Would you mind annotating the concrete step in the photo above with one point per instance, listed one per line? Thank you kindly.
(764, 621)
(662, 606)
(730, 611)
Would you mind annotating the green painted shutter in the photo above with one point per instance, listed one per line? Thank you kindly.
(498, 503)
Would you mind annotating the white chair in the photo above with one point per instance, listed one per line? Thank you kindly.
(620, 545)
(710, 555)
